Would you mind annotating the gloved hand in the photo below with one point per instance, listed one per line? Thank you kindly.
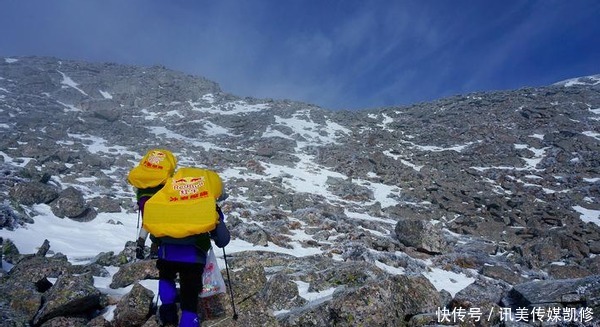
(221, 215)
(223, 197)
(139, 250)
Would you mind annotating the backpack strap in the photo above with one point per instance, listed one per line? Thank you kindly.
(141, 192)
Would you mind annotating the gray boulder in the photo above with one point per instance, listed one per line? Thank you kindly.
(65, 322)
(254, 234)
(484, 294)
(348, 190)
(10, 317)
(351, 274)
(502, 273)
(249, 285)
(29, 193)
(576, 292)
(421, 234)
(387, 302)
(249, 282)
(70, 203)
(281, 293)
(70, 295)
(106, 109)
(133, 272)
(134, 308)
(99, 321)
(373, 304)
(106, 204)
(10, 252)
(415, 295)
(32, 268)
(11, 218)
(19, 301)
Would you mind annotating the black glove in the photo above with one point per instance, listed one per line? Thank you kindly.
(221, 215)
(139, 249)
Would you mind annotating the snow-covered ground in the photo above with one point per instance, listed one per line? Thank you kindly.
(81, 242)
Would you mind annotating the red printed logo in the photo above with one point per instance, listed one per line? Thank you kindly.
(189, 188)
(154, 160)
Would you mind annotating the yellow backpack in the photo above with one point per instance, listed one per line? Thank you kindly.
(154, 169)
(185, 206)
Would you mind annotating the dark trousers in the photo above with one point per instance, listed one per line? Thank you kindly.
(190, 283)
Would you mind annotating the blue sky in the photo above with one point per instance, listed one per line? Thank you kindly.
(344, 54)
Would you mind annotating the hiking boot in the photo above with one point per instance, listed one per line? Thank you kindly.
(167, 315)
(189, 319)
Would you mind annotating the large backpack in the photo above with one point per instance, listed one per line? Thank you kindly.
(154, 169)
(185, 206)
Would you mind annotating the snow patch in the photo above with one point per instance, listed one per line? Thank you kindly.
(106, 95)
(67, 81)
(588, 215)
(447, 280)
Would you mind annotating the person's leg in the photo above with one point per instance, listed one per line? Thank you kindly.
(143, 234)
(167, 291)
(190, 279)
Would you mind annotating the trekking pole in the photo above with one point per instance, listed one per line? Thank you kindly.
(154, 308)
(137, 231)
(235, 316)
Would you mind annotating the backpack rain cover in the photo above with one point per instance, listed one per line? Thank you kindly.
(154, 169)
(185, 206)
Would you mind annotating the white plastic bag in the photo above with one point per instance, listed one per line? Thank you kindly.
(212, 280)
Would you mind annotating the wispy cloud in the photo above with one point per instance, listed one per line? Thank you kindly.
(338, 54)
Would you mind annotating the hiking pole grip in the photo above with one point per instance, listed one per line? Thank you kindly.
(235, 315)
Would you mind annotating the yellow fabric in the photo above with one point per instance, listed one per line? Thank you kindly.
(185, 206)
(155, 167)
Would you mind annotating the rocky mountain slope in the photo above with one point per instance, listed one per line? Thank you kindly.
(501, 187)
